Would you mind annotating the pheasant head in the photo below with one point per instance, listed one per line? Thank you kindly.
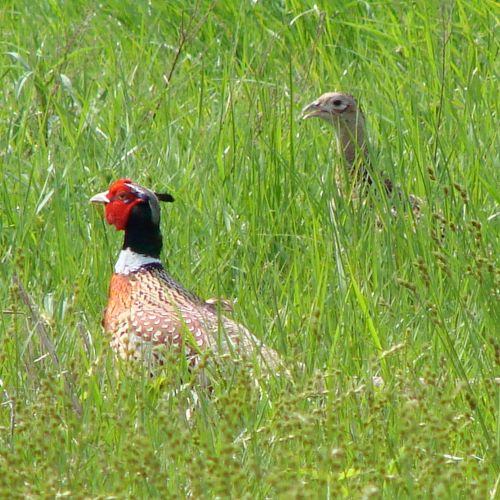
(123, 196)
(342, 111)
(136, 210)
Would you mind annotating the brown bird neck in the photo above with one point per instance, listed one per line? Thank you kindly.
(351, 141)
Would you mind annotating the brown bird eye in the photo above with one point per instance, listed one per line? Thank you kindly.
(337, 102)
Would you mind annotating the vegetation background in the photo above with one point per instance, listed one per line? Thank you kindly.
(203, 99)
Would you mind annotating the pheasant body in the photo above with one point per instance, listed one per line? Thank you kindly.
(148, 312)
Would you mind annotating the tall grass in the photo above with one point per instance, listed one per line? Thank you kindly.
(204, 101)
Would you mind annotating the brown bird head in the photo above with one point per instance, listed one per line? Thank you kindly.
(124, 197)
(342, 111)
(332, 107)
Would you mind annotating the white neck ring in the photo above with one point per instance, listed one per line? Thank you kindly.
(129, 261)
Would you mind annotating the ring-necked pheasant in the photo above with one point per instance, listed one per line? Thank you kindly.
(342, 111)
(147, 309)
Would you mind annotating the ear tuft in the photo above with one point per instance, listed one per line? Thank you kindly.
(166, 197)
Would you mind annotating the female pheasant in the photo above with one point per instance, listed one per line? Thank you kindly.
(148, 311)
(342, 111)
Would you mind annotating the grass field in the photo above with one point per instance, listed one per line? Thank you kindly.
(204, 101)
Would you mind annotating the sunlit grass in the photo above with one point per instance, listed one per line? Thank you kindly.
(204, 102)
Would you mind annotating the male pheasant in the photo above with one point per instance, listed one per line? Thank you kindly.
(342, 111)
(148, 311)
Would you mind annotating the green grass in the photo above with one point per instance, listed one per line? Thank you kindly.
(85, 101)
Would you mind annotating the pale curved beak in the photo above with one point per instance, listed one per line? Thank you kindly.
(311, 110)
(101, 198)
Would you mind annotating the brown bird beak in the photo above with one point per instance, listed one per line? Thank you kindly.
(101, 198)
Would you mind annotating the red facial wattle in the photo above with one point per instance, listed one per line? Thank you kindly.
(118, 212)
(121, 202)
